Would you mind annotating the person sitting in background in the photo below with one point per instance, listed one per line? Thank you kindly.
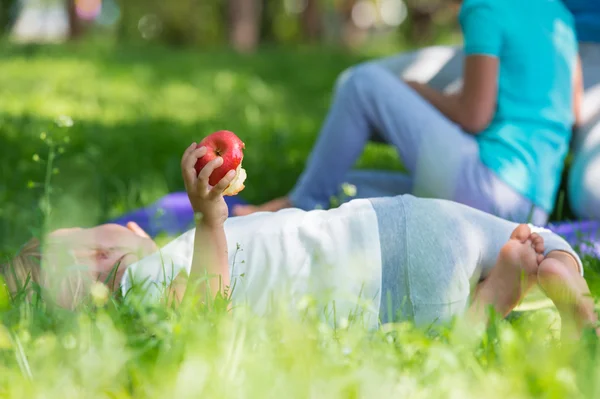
(584, 175)
(498, 144)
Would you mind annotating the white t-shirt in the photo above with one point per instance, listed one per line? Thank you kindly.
(333, 257)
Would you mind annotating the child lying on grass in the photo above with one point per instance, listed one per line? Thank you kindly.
(396, 258)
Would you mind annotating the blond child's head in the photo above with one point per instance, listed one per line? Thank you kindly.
(69, 261)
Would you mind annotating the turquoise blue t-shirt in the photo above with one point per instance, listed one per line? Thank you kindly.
(587, 19)
(528, 138)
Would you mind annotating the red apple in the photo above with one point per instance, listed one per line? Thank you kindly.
(227, 145)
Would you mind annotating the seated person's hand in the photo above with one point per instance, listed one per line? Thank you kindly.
(205, 199)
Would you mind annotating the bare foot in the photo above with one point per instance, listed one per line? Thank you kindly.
(271, 206)
(569, 291)
(514, 273)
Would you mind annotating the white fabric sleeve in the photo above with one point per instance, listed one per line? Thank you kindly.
(155, 273)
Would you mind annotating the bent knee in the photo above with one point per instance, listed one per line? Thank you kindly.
(367, 81)
(356, 73)
(370, 73)
(343, 78)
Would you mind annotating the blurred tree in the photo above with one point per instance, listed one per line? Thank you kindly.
(244, 24)
(427, 18)
(283, 17)
(350, 33)
(8, 9)
(75, 24)
(175, 22)
(266, 32)
(311, 20)
(247, 23)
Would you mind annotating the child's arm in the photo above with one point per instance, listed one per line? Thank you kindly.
(210, 269)
(210, 261)
(474, 106)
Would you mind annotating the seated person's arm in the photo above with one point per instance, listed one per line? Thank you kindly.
(474, 106)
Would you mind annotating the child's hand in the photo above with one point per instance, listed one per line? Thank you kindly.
(205, 199)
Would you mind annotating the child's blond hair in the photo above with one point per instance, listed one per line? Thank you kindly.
(24, 269)
(24, 273)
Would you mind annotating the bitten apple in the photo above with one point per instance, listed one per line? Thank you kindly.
(227, 145)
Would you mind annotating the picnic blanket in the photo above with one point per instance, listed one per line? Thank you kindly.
(173, 215)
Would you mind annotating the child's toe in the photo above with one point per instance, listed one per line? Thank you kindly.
(540, 258)
(521, 233)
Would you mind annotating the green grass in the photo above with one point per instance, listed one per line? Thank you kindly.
(134, 110)
(120, 349)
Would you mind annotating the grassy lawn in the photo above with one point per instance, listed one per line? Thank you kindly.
(133, 111)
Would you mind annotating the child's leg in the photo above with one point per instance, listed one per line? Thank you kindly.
(511, 277)
(489, 248)
(560, 278)
(433, 261)
(504, 266)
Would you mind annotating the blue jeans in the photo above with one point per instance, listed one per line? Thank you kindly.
(442, 160)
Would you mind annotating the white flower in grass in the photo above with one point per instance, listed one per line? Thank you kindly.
(5, 339)
(343, 323)
(324, 328)
(192, 378)
(349, 189)
(304, 303)
(509, 337)
(99, 293)
(69, 341)
(567, 378)
(24, 336)
(64, 121)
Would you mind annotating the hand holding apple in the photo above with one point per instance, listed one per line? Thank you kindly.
(229, 147)
(205, 198)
